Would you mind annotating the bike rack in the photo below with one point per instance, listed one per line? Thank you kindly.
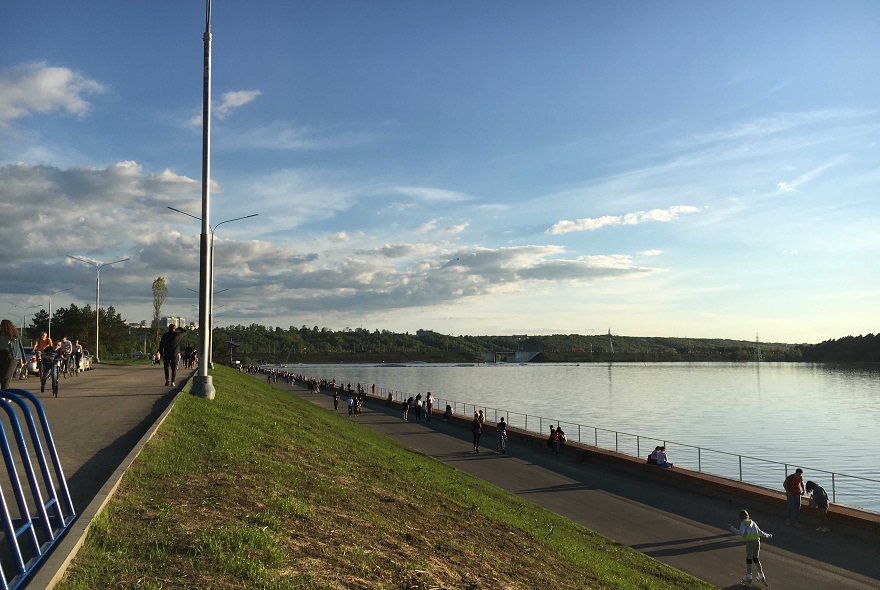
(35, 524)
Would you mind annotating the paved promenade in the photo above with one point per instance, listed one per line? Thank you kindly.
(684, 530)
(102, 416)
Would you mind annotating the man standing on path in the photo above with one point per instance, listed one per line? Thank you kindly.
(794, 489)
(169, 348)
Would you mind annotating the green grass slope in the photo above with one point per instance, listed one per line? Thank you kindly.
(259, 489)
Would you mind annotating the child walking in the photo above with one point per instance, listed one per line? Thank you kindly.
(751, 534)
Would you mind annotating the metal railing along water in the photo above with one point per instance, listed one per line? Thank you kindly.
(844, 488)
(42, 509)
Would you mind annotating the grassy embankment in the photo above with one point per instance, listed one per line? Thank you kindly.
(259, 489)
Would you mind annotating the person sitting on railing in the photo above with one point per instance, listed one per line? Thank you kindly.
(558, 439)
(652, 458)
(663, 458)
(448, 413)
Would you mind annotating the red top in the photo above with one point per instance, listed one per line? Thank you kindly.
(794, 484)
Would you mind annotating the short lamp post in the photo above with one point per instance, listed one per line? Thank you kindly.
(97, 266)
(50, 293)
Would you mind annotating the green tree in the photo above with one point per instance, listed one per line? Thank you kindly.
(160, 292)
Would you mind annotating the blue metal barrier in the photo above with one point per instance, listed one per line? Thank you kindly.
(42, 509)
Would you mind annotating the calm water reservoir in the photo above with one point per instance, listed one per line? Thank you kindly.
(816, 416)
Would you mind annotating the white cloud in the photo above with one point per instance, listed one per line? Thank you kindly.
(432, 194)
(589, 224)
(230, 101)
(284, 135)
(39, 88)
(791, 186)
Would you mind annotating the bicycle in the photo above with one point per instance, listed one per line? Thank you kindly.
(66, 369)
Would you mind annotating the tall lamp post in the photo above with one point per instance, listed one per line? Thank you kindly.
(208, 351)
(50, 293)
(97, 266)
(211, 308)
(202, 385)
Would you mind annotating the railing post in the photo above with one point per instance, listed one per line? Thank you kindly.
(596, 436)
(699, 461)
(616, 448)
(740, 467)
(638, 448)
(833, 490)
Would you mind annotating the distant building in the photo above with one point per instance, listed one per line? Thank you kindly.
(168, 320)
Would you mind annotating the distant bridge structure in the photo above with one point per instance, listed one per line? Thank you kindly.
(508, 356)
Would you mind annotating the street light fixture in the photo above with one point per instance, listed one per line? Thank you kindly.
(23, 313)
(49, 331)
(209, 355)
(97, 266)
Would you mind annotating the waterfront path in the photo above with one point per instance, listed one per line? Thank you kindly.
(684, 530)
(101, 418)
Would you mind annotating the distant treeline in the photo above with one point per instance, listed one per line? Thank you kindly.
(276, 345)
(313, 344)
(861, 349)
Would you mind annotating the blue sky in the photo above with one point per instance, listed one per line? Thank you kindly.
(660, 169)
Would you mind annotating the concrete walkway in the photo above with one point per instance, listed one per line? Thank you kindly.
(102, 418)
(99, 421)
(684, 530)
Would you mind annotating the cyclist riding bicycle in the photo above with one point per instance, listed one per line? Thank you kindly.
(501, 447)
(66, 350)
(39, 345)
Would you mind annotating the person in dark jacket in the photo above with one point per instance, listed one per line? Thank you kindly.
(169, 349)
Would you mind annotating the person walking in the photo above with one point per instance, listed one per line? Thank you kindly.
(476, 430)
(169, 350)
(429, 405)
(50, 361)
(11, 352)
(751, 533)
(794, 489)
(77, 356)
(819, 499)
